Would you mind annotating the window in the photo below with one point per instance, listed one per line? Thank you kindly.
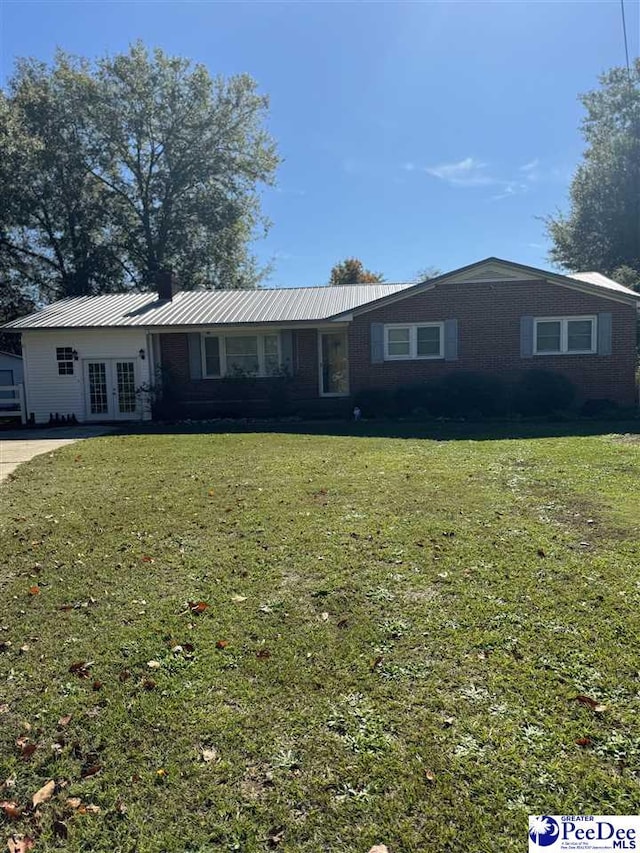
(561, 335)
(240, 355)
(413, 341)
(65, 359)
(212, 356)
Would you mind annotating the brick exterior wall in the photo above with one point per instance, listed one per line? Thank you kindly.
(488, 315)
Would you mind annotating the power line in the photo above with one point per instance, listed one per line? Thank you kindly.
(624, 31)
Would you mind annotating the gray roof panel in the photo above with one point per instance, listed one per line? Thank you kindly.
(206, 307)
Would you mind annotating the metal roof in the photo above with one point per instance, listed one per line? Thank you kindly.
(206, 307)
(239, 307)
(602, 281)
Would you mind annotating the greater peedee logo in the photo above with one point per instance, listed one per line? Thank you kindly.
(585, 833)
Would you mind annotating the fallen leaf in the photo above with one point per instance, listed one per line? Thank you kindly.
(149, 684)
(262, 654)
(584, 741)
(4, 708)
(541, 552)
(376, 662)
(91, 770)
(324, 616)
(146, 559)
(45, 793)
(429, 776)
(81, 668)
(74, 802)
(238, 599)
(197, 607)
(124, 675)
(210, 754)
(93, 809)
(121, 807)
(591, 703)
(222, 644)
(26, 747)
(379, 848)
(154, 664)
(275, 836)
(10, 809)
(60, 828)
(97, 685)
(19, 844)
(34, 590)
(64, 721)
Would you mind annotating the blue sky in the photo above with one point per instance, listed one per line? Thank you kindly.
(413, 134)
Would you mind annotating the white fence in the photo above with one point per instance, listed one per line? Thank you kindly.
(12, 402)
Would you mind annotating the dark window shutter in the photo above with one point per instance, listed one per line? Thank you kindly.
(195, 356)
(286, 350)
(526, 337)
(604, 333)
(450, 340)
(377, 342)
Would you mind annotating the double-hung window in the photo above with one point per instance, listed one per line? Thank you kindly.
(240, 355)
(564, 335)
(65, 359)
(413, 341)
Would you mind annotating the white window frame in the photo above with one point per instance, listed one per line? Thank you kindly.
(413, 341)
(564, 335)
(262, 372)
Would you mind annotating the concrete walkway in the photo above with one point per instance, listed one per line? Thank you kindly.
(18, 446)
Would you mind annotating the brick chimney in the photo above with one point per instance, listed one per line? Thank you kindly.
(166, 284)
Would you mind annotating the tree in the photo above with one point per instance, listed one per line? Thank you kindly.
(352, 271)
(426, 273)
(113, 170)
(602, 230)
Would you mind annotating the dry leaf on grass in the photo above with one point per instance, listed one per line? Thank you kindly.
(238, 599)
(209, 754)
(45, 793)
(222, 644)
(34, 590)
(19, 844)
(64, 721)
(197, 607)
(10, 809)
(379, 848)
(591, 703)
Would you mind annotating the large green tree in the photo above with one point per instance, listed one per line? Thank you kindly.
(115, 169)
(602, 229)
(353, 271)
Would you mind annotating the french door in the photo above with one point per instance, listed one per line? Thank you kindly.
(110, 389)
(334, 364)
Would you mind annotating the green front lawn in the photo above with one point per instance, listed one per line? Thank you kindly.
(396, 633)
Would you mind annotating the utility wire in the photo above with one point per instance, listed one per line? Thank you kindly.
(626, 45)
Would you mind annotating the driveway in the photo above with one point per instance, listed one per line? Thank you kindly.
(18, 446)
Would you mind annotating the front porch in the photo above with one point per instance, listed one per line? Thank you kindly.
(251, 372)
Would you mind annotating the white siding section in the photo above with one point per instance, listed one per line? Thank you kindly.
(47, 392)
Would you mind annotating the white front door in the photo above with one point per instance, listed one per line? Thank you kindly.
(110, 389)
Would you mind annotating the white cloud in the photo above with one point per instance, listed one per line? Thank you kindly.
(530, 166)
(465, 173)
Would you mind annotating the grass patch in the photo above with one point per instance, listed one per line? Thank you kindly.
(395, 635)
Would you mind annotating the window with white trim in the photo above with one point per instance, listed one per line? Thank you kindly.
(564, 335)
(64, 357)
(240, 355)
(412, 341)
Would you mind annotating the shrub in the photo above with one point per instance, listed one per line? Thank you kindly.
(541, 392)
(468, 394)
(419, 398)
(599, 408)
(375, 402)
